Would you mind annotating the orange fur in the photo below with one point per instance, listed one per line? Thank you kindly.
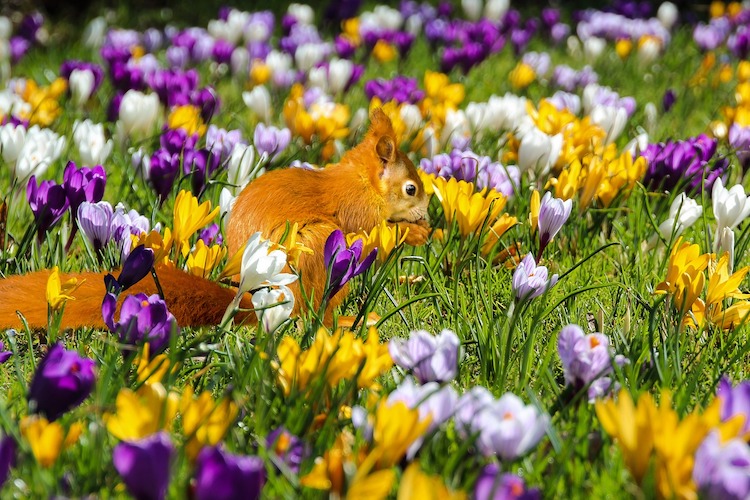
(203, 304)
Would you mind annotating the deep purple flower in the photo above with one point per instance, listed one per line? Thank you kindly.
(550, 17)
(30, 25)
(163, 170)
(739, 42)
(288, 447)
(739, 140)
(61, 382)
(530, 280)
(340, 10)
(344, 47)
(200, 165)
(492, 484)
(144, 465)
(211, 235)
(401, 89)
(48, 202)
(19, 46)
(175, 140)
(136, 266)
(430, 358)
(4, 356)
(735, 401)
(142, 319)
(95, 221)
(83, 184)
(722, 469)
(675, 162)
(113, 110)
(271, 141)
(173, 86)
(222, 51)
(220, 475)
(207, 101)
(7, 457)
(668, 100)
(553, 213)
(344, 263)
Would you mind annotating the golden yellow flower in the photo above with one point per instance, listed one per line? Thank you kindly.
(350, 28)
(260, 72)
(716, 9)
(48, 439)
(293, 248)
(498, 229)
(623, 47)
(470, 210)
(521, 76)
(568, 181)
(534, 207)
(395, 428)
(160, 244)
(685, 278)
(326, 122)
(440, 96)
(151, 370)
(58, 292)
(43, 101)
(205, 421)
(188, 118)
(416, 484)
(384, 52)
(203, 259)
(234, 265)
(743, 72)
(141, 413)
(189, 216)
(385, 237)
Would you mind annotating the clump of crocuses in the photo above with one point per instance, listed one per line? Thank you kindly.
(586, 360)
(344, 262)
(62, 381)
(430, 358)
(691, 161)
(142, 319)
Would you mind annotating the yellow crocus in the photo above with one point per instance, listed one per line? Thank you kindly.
(189, 216)
(205, 421)
(203, 259)
(350, 28)
(293, 247)
(567, 183)
(188, 118)
(498, 229)
(534, 206)
(469, 209)
(151, 370)
(260, 72)
(385, 237)
(723, 286)
(416, 484)
(141, 413)
(623, 47)
(743, 72)
(234, 265)
(48, 439)
(377, 359)
(395, 428)
(685, 278)
(384, 52)
(521, 76)
(58, 292)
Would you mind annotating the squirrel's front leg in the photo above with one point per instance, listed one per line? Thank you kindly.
(418, 231)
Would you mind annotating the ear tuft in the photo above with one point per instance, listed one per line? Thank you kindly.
(386, 149)
(380, 124)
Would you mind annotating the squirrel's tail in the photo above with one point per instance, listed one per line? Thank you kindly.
(193, 300)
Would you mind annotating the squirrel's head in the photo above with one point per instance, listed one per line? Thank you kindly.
(397, 176)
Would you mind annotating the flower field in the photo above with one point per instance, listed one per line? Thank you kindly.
(552, 303)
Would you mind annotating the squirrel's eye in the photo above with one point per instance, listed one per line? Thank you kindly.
(410, 189)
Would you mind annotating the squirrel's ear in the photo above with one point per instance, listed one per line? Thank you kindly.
(386, 149)
(380, 124)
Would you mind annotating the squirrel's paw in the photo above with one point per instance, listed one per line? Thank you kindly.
(418, 232)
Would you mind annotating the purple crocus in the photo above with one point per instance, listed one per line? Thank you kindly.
(142, 319)
(722, 469)
(430, 358)
(271, 141)
(739, 140)
(61, 382)
(48, 202)
(144, 465)
(163, 170)
(173, 86)
(668, 100)
(672, 163)
(95, 221)
(492, 484)
(207, 100)
(344, 263)
(82, 184)
(137, 265)
(4, 356)
(19, 46)
(7, 457)
(586, 359)
(220, 475)
(530, 280)
(288, 447)
(221, 142)
(735, 401)
(211, 235)
(553, 213)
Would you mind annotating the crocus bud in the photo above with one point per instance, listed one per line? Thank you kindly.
(220, 474)
(61, 382)
(273, 306)
(553, 213)
(144, 465)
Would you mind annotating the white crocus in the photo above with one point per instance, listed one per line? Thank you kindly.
(12, 138)
(318, 77)
(538, 152)
(683, 213)
(731, 206)
(472, 9)
(262, 266)
(6, 28)
(278, 62)
(726, 244)
(308, 55)
(649, 49)
(40, 149)
(456, 127)
(81, 82)
(667, 14)
(412, 118)
(259, 101)
(138, 114)
(240, 61)
(593, 47)
(611, 119)
(93, 147)
(232, 29)
(494, 10)
(240, 166)
(95, 33)
(340, 71)
(273, 306)
(226, 202)
(303, 13)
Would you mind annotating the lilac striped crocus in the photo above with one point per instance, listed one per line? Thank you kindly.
(553, 213)
(85, 184)
(531, 280)
(95, 221)
(735, 401)
(430, 358)
(493, 484)
(271, 141)
(586, 359)
(144, 465)
(722, 468)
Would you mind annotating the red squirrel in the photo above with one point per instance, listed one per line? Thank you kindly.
(373, 182)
